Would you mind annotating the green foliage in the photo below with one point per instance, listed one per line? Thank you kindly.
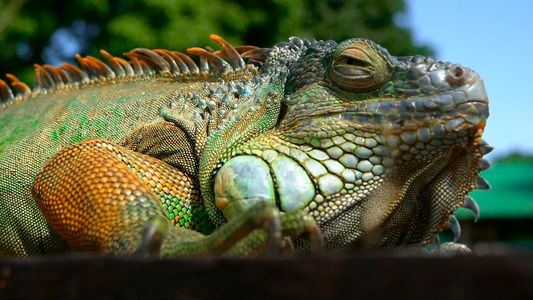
(26, 27)
(515, 157)
(512, 187)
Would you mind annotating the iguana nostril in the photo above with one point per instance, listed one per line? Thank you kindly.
(457, 76)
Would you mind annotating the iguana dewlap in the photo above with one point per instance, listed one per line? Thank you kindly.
(307, 145)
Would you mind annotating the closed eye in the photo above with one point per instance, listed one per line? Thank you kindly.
(354, 62)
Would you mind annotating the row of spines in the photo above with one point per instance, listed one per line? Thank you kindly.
(142, 62)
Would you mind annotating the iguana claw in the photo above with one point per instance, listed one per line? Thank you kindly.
(455, 227)
(152, 237)
(315, 238)
(436, 242)
(287, 247)
(273, 228)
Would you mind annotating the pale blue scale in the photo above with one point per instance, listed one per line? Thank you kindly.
(295, 188)
(315, 168)
(243, 181)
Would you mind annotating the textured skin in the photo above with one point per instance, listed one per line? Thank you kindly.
(378, 151)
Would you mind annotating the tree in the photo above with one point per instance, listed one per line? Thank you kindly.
(53, 31)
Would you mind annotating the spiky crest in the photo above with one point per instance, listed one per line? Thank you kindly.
(142, 64)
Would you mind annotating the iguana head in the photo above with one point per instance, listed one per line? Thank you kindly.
(398, 136)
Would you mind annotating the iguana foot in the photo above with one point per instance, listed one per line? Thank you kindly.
(261, 229)
(297, 223)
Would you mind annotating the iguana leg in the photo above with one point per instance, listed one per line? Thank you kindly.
(293, 224)
(103, 197)
(100, 196)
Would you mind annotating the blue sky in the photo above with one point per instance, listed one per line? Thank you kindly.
(495, 39)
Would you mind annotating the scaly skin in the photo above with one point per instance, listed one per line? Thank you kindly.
(375, 150)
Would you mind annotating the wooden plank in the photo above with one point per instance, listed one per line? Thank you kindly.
(324, 277)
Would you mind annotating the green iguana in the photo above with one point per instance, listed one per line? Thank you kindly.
(309, 144)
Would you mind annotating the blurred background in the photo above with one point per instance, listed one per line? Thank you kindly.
(490, 37)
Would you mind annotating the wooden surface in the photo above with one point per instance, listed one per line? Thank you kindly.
(362, 276)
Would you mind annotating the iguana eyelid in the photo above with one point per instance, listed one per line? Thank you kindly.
(365, 73)
(351, 71)
(358, 55)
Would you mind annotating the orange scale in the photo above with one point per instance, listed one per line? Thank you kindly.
(111, 176)
(173, 193)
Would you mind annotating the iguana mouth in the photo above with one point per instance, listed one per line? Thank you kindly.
(472, 111)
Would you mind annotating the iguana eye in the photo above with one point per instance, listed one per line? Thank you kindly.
(359, 68)
(353, 61)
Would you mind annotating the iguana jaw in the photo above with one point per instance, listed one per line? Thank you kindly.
(425, 198)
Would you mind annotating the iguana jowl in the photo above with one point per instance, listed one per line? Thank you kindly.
(377, 150)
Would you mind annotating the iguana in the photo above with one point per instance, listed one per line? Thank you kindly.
(309, 144)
